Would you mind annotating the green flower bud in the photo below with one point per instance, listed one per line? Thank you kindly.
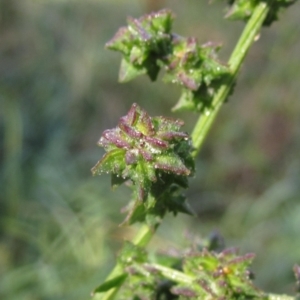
(243, 9)
(143, 149)
(143, 43)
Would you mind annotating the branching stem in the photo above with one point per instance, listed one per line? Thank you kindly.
(247, 38)
(199, 134)
(141, 239)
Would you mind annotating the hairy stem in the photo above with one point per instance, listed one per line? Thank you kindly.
(246, 40)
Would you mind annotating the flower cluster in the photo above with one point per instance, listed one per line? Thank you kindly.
(222, 275)
(148, 45)
(243, 9)
(143, 43)
(153, 154)
(198, 275)
(197, 70)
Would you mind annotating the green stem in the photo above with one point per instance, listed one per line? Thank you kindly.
(172, 274)
(142, 238)
(203, 125)
(237, 57)
(144, 235)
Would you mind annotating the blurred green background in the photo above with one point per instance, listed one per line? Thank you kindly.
(59, 231)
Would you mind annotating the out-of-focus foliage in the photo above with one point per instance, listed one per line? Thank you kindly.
(59, 91)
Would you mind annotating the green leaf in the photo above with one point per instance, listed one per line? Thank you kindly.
(179, 204)
(128, 71)
(186, 102)
(171, 163)
(121, 41)
(111, 283)
(200, 100)
(241, 9)
(162, 21)
(136, 212)
(144, 173)
(117, 180)
(112, 161)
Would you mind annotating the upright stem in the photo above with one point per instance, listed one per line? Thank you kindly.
(204, 123)
(246, 40)
(144, 235)
(141, 239)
